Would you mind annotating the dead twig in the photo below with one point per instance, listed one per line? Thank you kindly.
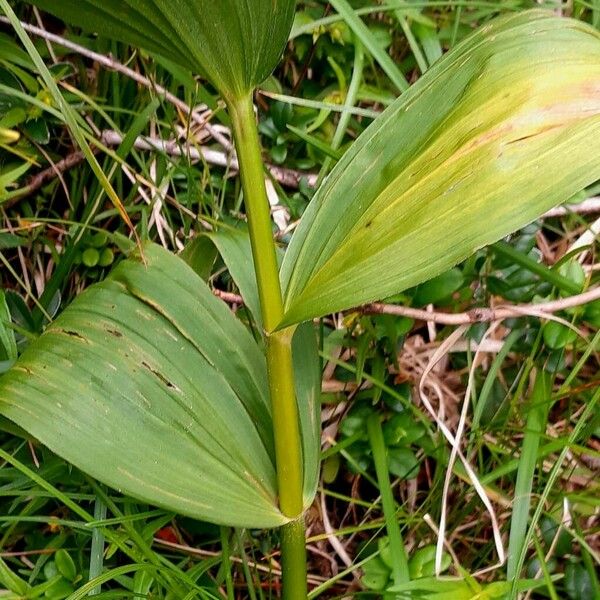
(285, 177)
(483, 314)
(475, 315)
(114, 65)
(591, 205)
(37, 181)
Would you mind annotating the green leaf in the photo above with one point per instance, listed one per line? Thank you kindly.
(452, 588)
(59, 590)
(150, 384)
(422, 562)
(438, 288)
(8, 342)
(235, 250)
(428, 36)
(65, 564)
(432, 588)
(376, 574)
(316, 142)
(10, 580)
(200, 255)
(549, 529)
(403, 463)
(402, 429)
(574, 272)
(90, 257)
(495, 133)
(578, 583)
(234, 43)
(10, 174)
(107, 257)
(11, 53)
(557, 336)
(305, 354)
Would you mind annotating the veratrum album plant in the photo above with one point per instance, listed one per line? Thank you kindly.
(151, 372)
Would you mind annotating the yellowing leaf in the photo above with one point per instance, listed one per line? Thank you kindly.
(501, 129)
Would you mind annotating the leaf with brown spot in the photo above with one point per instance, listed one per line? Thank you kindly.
(149, 383)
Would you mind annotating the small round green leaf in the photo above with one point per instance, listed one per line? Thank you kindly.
(556, 335)
(107, 257)
(65, 564)
(98, 240)
(574, 272)
(578, 582)
(422, 562)
(376, 574)
(59, 590)
(438, 288)
(90, 257)
(403, 463)
(402, 429)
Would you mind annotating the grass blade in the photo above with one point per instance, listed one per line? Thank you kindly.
(371, 44)
(400, 573)
(537, 417)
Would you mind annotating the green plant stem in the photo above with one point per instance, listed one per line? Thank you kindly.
(400, 573)
(288, 449)
(252, 173)
(293, 560)
(286, 424)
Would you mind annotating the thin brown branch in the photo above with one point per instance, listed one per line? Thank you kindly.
(110, 63)
(28, 553)
(591, 205)
(475, 315)
(485, 314)
(286, 177)
(37, 181)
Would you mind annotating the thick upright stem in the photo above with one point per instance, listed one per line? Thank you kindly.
(286, 425)
(293, 560)
(252, 173)
(288, 451)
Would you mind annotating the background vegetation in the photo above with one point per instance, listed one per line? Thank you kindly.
(530, 383)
